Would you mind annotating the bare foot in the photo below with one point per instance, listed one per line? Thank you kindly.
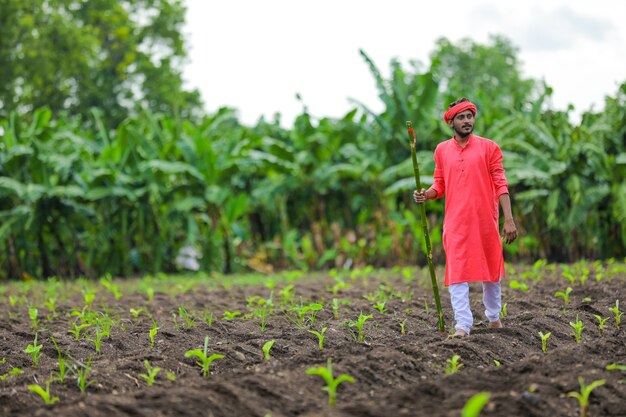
(496, 324)
(458, 333)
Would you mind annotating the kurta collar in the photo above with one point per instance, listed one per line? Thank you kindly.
(470, 140)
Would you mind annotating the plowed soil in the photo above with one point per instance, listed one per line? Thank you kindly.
(396, 374)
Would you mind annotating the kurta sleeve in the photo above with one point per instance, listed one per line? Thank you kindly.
(438, 181)
(497, 172)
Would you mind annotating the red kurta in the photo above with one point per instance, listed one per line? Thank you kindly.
(472, 179)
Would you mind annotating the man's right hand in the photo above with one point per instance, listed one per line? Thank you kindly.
(420, 196)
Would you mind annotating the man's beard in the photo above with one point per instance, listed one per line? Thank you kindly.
(463, 134)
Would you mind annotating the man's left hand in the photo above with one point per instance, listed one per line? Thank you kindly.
(509, 231)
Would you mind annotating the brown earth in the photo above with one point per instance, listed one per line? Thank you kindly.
(396, 375)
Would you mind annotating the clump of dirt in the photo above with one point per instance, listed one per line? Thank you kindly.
(398, 372)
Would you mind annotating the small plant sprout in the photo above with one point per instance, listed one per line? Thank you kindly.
(190, 319)
(544, 341)
(497, 362)
(77, 329)
(305, 313)
(62, 374)
(601, 322)
(208, 318)
(618, 314)
(153, 332)
(320, 337)
(33, 313)
(453, 365)
(97, 340)
(34, 351)
(402, 324)
(475, 405)
(205, 361)
(135, 312)
(171, 376)
(82, 375)
(230, 315)
(335, 306)
(266, 349)
(578, 329)
(44, 394)
(503, 312)
(564, 294)
(332, 383)
(359, 325)
(426, 308)
(583, 395)
(380, 306)
(516, 285)
(150, 374)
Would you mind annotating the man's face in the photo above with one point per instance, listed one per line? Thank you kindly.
(463, 123)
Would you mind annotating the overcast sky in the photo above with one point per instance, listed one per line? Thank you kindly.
(256, 55)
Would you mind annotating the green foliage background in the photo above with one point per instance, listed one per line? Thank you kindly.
(107, 165)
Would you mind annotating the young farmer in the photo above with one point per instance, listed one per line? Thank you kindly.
(469, 171)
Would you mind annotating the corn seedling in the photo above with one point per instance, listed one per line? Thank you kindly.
(601, 322)
(335, 306)
(33, 313)
(150, 374)
(564, 294)
(44, 394)
(136, 312)
(516, 285)
(77, 329)
(60, 376)
(332, 383)
(304, 314)
(402, 324)
(51, 305)
(475, 405)
(171, 376)
(89, 298)
(34, 351)
(359, 325)
(544, 341)
(618, 314)
(205, 361)
(615, 367)
(380, 306)
(266, 349)
(230, 315)
(583, 395)
(208, 318)
(12, 372)
(503, 312)
(188, 318)
(497, 362)
(578, 328)
(97, 340)
(453, 365)
(153, 333)
(107, 282)
(320, 337)
(82, 375)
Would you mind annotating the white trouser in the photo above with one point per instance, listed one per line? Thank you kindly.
(459, 295)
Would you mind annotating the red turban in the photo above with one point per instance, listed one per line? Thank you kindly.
(458, 108)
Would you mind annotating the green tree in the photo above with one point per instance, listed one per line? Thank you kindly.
(72, 55)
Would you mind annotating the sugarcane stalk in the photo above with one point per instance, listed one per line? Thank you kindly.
(431, 266)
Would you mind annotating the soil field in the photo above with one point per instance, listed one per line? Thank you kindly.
(396, 373)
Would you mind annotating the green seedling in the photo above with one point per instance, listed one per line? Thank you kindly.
(286, 295)
(150, 374)
(153, 333)
(44, 394)
(615, 367)
(12, 372)
(62, 374)
(380, 306)
(205, 361)
(51, 305)
(618, 314)
(359, 325)
(82, 375)
(335, 306)
(33, 314)
(97, 340)
(77, 329)
(578, 329)
(601, 322)
(107, 282)
(583, 395)
(497, 362)
(475, 405)
(136, 312)
(564, 294)
(305, 313)
(453, 365)
(426, 308)
(332, 383)
(188, 318)
(89, 297)
(503, 312)
(320, 337)
(230, 315)
(402, 324)
(516, 285)
(544, 341)
(266, 349)
(171, 376)
(34, 351)
(208, 318)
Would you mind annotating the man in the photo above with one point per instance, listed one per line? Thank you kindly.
(469, 171)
